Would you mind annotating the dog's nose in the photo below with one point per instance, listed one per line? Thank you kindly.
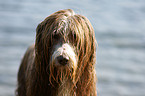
(62, 60)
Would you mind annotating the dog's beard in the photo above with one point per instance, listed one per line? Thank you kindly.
(64, 75)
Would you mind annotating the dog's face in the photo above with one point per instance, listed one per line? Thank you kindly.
(64, 49)
(65, 43)
(63, 53)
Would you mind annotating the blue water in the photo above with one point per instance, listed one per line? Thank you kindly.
(119, 28)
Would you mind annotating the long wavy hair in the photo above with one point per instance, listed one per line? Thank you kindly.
(42, 78)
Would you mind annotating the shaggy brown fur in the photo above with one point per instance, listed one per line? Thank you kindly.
(38, 74)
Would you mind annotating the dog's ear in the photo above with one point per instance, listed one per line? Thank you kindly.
(39, 29)
(38, 41)
(39, 32)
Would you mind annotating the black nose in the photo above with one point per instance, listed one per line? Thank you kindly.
(62, 60)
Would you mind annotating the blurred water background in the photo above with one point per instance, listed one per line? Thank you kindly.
(119, 28)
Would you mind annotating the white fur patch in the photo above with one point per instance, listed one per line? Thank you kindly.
(66, 51)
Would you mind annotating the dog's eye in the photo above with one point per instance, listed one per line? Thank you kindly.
(56, 36)
(74, 36)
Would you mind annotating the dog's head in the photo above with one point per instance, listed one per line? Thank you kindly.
(65, 41)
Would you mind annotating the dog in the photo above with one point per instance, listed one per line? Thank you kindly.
(62, 60)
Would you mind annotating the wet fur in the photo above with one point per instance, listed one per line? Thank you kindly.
(38, 76)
